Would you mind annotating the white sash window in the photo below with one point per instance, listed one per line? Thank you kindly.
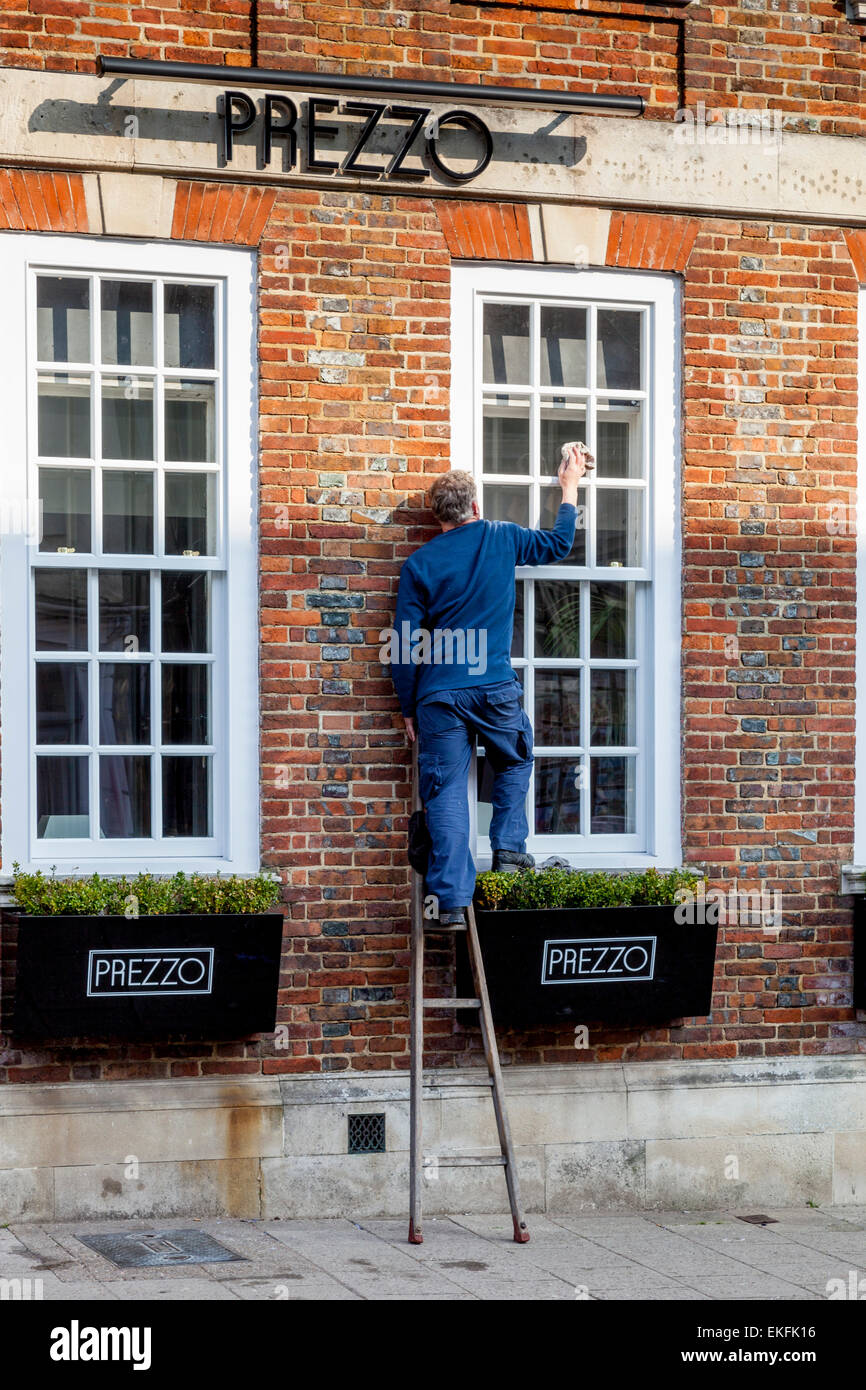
(129, 557)
(542, 357)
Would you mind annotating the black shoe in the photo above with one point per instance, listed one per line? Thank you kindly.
(453, 917)
(510, 861)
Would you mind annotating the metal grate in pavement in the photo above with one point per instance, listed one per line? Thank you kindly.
(136, 1249)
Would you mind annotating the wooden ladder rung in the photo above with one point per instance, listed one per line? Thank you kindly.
(435, 925)
(452, 1003)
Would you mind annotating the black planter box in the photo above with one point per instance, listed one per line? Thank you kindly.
(859, 975)
(632, 965)
(200, 976)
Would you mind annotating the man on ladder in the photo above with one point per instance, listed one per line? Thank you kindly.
(459, 589)
(453, 676)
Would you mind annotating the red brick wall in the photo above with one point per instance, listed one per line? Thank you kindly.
(803, 60)
(354, 338)
(354, 346)
(354, 342)
(66, 35)
(769, 592)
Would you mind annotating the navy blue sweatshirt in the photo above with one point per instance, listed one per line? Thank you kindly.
(455, 605)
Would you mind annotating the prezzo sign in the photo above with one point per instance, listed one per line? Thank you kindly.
(598, 960)
(140, 971)
(381, 135)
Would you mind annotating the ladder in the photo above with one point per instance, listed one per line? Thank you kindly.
(418, 1004)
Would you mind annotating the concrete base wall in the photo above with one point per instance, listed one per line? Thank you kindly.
(589, 1137)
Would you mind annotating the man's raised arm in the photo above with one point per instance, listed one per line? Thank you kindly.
(546, 547)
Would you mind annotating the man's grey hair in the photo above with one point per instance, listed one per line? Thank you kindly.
(452, 495)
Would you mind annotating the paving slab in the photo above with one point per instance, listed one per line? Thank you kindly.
(487, 1266)
(361, 1260)
(187, 1288)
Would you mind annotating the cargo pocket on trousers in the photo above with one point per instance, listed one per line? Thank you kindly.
(429, 776)
(524, 738)
(504, 708)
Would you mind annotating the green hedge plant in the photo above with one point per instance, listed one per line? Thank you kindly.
(560, 887)
(39, 895)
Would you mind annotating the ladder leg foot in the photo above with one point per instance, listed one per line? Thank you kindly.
(521, 1235)
(416, 1238)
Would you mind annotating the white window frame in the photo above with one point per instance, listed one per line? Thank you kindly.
(853, 878)
(235, 844)
(659, 618)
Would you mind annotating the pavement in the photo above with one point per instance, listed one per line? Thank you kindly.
(672, 1256)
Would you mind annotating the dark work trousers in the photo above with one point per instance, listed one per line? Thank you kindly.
(448, 724)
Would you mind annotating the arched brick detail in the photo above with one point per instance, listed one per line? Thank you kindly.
(650, 241)
(486, 231)
(856, 243)
(221, 212)
(34, 200)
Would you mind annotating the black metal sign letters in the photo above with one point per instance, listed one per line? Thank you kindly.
(380, 142)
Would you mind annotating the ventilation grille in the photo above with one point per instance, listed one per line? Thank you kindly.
(366, 1134)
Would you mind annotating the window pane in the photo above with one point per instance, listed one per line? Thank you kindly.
(618, 357)
(61, 610)
(186, 796)
(127, 323)
(618, 440)
(124, 702)
(506, 435)
(190, 513)
(124, 611)
(612, 708)
(517, 632)
(185, 703)
(557, 708)
(62, 798)
(557, 796)
(189, 326)
(505, 503)
(551, 497)
(563, 346)
(124, 797)
(506, 343)
(127, 513)
(61, 702)
(62, 319)
(557, 619)
(611, 620)
(618, 528)
(127, 417)
(185, 611)
(561, 423)
(64, 416)
(64, 496)
(612, 798)
(189, 421)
